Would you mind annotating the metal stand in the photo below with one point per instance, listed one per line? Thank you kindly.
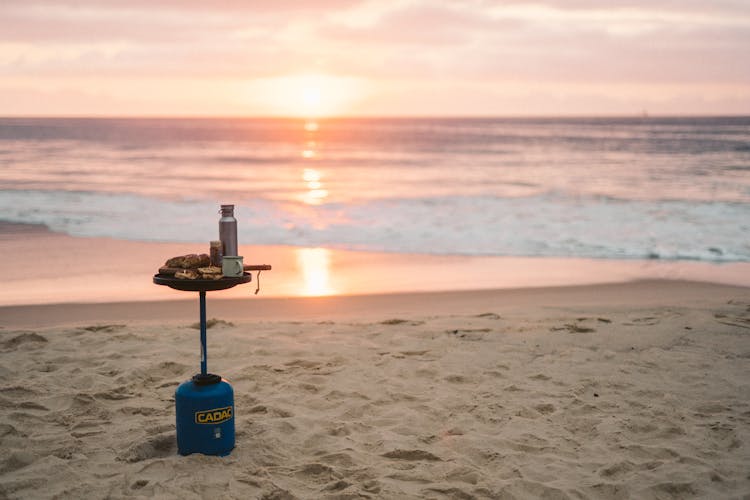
(204, 354)
(203, 286)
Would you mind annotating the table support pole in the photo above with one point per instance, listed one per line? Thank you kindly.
(203, 332)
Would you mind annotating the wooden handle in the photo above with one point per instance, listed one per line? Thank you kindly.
(257, 267)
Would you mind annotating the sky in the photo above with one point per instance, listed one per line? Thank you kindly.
(374, 57)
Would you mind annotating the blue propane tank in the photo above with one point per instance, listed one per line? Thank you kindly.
(205, 416)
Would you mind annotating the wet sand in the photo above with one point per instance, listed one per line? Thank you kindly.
(42, 267)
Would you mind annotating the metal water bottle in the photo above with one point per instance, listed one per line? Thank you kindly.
(228, 230)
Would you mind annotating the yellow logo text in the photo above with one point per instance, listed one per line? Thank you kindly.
(215, 416)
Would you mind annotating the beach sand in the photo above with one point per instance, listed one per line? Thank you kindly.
(634, 390)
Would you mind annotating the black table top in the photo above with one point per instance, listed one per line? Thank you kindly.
(201, 285)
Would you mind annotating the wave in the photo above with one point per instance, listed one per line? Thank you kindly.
(545, 225)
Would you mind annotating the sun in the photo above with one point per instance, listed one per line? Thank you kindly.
(311, 97)
(308, 95)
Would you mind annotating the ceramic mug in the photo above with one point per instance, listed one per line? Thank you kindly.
(231, 265)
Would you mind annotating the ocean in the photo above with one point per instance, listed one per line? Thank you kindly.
(608, 188)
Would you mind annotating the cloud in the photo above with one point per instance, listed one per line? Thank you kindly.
(414, 43)
(230, 6)
(664, 55)
(70, 25)
(416, 24)
(535, 41)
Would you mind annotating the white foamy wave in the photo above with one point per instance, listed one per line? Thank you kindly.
(543, 225)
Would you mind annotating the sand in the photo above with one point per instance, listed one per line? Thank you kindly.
(637, 390)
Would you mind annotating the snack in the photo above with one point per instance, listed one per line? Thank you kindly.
(187, 274)
(210, 273)
(190, 261)
(191, 267)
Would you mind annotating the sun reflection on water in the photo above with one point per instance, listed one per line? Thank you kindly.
(310, 175)
(315, 192)
(315, 266)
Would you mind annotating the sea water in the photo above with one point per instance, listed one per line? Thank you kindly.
(624, 188)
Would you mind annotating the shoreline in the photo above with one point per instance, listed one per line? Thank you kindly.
(369, 307)
(45, 267)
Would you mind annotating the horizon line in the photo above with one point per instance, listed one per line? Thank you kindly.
(370, 116)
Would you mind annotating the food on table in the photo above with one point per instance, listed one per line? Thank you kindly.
(190, 261)
(191, 267)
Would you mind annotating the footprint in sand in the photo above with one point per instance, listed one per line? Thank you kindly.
(336, 486)
(399, 321)
(316, 367)
(644, 321)
(427, 373)
(371, 486)
(319, 473)
(447, 492)
(273, 412)
(652, 319)
(488, 316)
(303, 363)
(414, 353)
(311, 388)
(573, 328)
(159, 446)
(17, 392)
(85, 406)
(412, 455)
(469, 334)
(339, 459)
(617, 470)
(544, 408)
(29, 338)
(32, 405)
(103, 328)
(15, 461)
(116, 394)
(170, 369)
(140, 483)
(341, 429)
(278, 494)
(9, 430)
(739, 320)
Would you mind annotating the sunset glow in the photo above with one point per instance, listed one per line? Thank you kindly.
(315, 267)
(333, 58)
(308, 95)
